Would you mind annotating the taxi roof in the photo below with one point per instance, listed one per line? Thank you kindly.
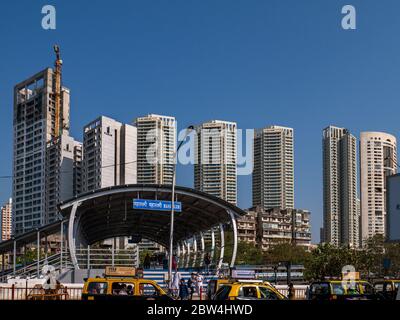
(340, 281)
(115, 279)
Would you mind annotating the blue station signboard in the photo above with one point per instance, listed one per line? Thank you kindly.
(156, 205)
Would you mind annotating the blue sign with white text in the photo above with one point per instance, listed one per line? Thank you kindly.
(156, 205)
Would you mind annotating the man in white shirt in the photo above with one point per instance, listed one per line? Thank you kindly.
(199, 284)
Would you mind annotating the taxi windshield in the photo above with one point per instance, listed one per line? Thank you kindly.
(97, 288)
(345, 288)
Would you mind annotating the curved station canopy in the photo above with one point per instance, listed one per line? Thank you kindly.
(109, 213)
(139, 211)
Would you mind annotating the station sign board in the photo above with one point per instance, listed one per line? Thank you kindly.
(156, 205)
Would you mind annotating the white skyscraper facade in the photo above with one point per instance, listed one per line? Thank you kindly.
(215, 169)
(378, 160)
(156, 145)
(63, 173)
(273, 175)
(341, 208)
(109, 154)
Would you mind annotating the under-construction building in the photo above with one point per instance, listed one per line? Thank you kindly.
(46, 159)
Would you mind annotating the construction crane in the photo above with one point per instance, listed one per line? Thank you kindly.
(58, 127)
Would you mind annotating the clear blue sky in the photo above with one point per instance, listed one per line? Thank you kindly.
(284, 62)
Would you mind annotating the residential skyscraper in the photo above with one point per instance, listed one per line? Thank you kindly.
(273, 175)
(6, 221)
(341, 209)
(378, 160)
(156, 145)
(109, 154)
(34, 130)
(215, 169)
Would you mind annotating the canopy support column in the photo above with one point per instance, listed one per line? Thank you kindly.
(62, 244)
(195, 252)
(235, 238)
(221, 257)
(15, 257)
(38, 254)
(212, 244)
(72, 235)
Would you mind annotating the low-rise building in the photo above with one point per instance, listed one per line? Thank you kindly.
(268, 227)
(247, 228)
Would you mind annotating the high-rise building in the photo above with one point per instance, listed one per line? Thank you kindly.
(156, 145)
(109, 154)
(215, 169)
(6, 221)
(273, 175)
(34, 133)
(378, 160)
(341, 214)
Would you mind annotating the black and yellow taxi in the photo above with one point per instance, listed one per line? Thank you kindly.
(342, 290)
(388, 288)
(248, 290)
(214, 285)
(122, 283)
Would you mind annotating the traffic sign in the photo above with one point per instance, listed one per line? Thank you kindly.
(156, 205)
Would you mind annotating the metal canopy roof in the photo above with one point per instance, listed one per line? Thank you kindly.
(30, 237)
(109, 213)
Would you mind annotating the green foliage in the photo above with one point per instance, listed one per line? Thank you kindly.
(29, 257)
(286, 252)
(248, 254)
(328, 261)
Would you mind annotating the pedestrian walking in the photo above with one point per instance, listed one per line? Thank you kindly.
(192, 285)
(291, 292)
(183, 290)
(207, 261)
(146, 262)
(199, 285)
(175, 283)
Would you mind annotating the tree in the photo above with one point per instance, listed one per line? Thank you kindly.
(328, 261)
(286, 252)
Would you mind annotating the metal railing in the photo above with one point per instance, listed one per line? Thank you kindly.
(300, 294)
(87, 259)
(22, 293)
(100, 258)
(32, 270)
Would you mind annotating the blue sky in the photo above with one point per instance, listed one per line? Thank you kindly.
(283, 62)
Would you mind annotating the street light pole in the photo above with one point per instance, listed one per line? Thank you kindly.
(171, 234)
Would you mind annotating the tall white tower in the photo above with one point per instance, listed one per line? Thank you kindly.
(378, 154)
(341, 212)
(156, 145)
(109, 154)
(273, 175)
(215, 169)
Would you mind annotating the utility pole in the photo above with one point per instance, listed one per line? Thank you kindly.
(171, 234)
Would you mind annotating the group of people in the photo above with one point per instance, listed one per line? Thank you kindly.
(186, 289)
